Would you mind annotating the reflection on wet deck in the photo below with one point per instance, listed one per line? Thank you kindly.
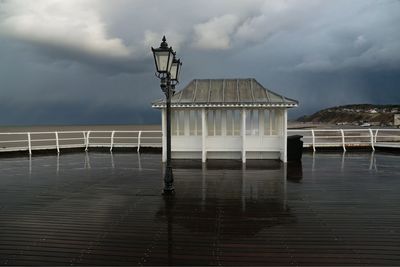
(106, 209)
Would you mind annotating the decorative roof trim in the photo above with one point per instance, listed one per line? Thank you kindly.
(225, 105)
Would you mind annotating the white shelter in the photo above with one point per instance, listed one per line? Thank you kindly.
(227, 119)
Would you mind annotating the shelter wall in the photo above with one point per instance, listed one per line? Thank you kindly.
(228, 133)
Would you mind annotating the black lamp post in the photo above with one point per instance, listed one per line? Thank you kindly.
(168, 68)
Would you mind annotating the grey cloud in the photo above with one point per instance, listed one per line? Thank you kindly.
(215, 33)
(101, 63)
(66, 30)
(320, 52)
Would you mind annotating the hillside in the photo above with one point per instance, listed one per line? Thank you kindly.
(355, 114)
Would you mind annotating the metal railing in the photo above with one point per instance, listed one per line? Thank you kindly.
(29, 141)
(314, 138)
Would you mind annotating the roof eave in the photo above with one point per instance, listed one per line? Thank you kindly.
(236, 105)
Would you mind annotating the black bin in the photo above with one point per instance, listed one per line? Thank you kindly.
(294, 147)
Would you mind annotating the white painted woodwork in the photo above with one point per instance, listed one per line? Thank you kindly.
(203, 135)
(244, 135)
(284, 130)
(164, 134)
(253, 141)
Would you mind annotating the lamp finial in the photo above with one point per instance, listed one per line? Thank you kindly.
(164, 43)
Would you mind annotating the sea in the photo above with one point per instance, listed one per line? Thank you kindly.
(53, 128)
(10, 140)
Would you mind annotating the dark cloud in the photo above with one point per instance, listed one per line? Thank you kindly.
(89, 61)
(107, 65)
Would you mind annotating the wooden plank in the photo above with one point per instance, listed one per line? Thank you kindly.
(222, 214)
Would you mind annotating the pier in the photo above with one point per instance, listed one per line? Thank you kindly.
(135, 140)
(107, 209)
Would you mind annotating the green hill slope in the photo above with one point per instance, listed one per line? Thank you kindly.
(374, 114)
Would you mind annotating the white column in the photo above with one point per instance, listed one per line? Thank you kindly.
(223, 122)
(186, 120)
(164, 134)
(284, 131)
(203, 135)
(271, 120)
(261, 120)
(243, 135)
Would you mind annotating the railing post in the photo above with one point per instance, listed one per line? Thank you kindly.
(138, 145)
(57, 143)
(372, 139)
(376, 135)
(29, 144)
(87, 140)
(343, 140)
(313, 139)
(84, 138)
(112, 140)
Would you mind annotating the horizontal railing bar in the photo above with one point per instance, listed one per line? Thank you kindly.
(52, 133)
(387, 130)
(70, 132)
(25, 133)
(13, 148)
(71, 146)
(125, 145)
(359, 137)
(125, 131)
(14, 141)
(146, 131)
(42, 140)
(327, 130)
(74, 138)
(105, 144)
(357, 130)
(43, 147)
(327, 137)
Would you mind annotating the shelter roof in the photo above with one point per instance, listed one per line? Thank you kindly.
(226, 93)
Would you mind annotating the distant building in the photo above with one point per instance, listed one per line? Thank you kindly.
(396, 121)
(227, 119)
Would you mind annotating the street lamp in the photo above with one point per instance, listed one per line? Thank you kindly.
(175, 68)
(168, 68)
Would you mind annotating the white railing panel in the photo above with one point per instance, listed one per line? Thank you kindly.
(29, 141)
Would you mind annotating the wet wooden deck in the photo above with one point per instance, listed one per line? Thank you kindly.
(103, 209)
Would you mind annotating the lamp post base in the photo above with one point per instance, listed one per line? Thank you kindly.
(168, 192)
(168, 182)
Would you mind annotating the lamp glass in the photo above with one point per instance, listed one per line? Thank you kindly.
(176, 65)
(174, 71)
(163, 60)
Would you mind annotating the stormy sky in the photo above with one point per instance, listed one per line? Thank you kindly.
(89, 61)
